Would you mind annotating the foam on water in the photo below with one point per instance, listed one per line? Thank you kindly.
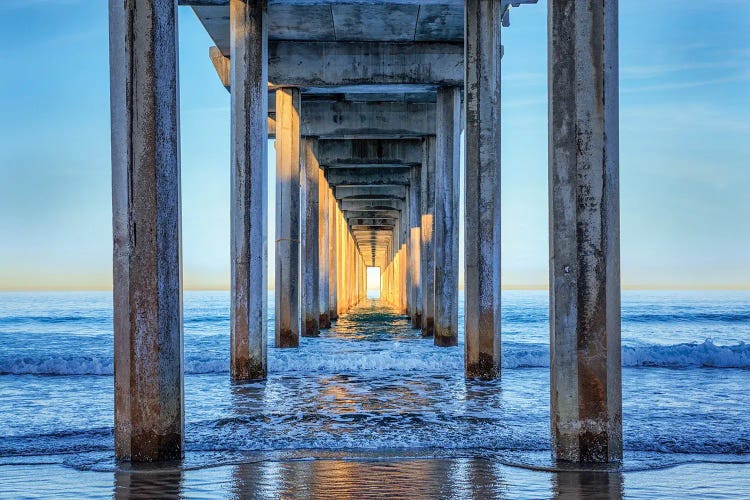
(373, 383)
(515, 355)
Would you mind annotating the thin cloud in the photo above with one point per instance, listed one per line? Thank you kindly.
(652, 71)
(21, 4)
(684, 84)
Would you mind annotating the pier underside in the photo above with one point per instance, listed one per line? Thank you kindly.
(368, 102)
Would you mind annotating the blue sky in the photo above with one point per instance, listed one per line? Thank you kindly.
(684, 142)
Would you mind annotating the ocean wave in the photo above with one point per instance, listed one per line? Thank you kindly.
(515, 355)
(10, 320)
(685, 316)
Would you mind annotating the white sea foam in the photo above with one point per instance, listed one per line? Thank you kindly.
(423, 360)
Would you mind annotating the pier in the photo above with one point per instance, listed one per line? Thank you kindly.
(368, 102)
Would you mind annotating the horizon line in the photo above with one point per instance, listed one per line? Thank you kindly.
(511, 287)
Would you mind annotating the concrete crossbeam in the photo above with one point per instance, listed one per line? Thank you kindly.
(361, 120)
(370, 228)
(369, 153)
(358, 221)
(368, 206)
(379, 192)
(321, 65)
(386, 213)
(358, 177)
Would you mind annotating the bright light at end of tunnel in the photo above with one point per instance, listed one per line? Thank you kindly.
(373, 282)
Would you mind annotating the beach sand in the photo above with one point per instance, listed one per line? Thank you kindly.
(358, 477)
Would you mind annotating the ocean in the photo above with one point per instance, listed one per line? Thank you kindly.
(370, 393)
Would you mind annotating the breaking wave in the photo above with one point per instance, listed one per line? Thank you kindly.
(515, 355)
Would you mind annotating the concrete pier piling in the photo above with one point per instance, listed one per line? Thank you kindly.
(482, 23)
(447, 152)
(585, 368)
(415, 244)
(288, 106)
(249, 197)
(333, 210)
(324, 318)
(310, 301)
(367, 169)
(427, 252)
(149, 415)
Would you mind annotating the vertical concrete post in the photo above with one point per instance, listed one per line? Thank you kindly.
(396, 264)
(288, 107)
(415, 242)
(310, 239)
(415, 238)
(352, 272)
(427, 252)
(362, 277)
(404, 262)
(324, 319)
(407, 241)
(585, 368)
(447, 151)
(249, 196)
(482, 66)
(340, 271)
(333, 210)
(149, 415)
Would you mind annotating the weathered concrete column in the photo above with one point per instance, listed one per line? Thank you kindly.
(288, 104)
(396, 265)
(404, 261)
(427, 252)
(353, 271)
(249, 197)
(333, 210)
(482, 310)
(415, 239)
(310, 239)
(149, 416)
(585, 378)
(447, 152)
(408, 271)
(324, 318)
(340, 262)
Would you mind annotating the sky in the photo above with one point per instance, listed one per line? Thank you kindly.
(684, 147)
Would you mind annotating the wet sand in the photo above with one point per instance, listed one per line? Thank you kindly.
(413, 478)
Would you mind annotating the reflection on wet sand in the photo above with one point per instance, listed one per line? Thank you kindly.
(570, 485)
(149, 481)
(350, 479)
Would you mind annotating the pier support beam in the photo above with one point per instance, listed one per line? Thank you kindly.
(288, 105)
(324, 318)
(310, 239)
(585, 378)
(149, 415)
(333, 211)
(427, 252)
(249, 196)
(415, 243)
(482, 159)
(447, 151)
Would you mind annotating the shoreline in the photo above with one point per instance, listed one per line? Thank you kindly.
(379, 475)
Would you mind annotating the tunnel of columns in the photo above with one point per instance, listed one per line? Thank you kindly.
(367, 102)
